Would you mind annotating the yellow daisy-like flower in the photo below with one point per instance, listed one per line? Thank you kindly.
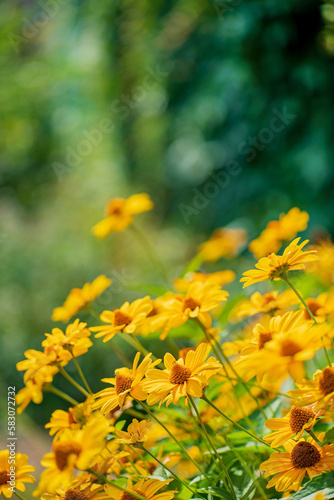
(148, 488)
(39, 362)
(72, 449)
(293, 425)
(127, 383)
(181, 377)
(75, 418)
(126, 319)
(224, 242)
(199, 299)
(120, 212)
(75, 339)
(321, 307)
(77, 490)
(324, 267)
(278, 231)
(220, 278)
(280, 347)
(268, 302)
(14, 472)
(135, 433)
(33, 390)
(319, 391)
(79, 298)
(305, 458)
(275, 266)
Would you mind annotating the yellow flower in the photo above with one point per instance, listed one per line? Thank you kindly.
(292, 425)
(220, 278)
(136, 432)
(79, 298)
(120, 212)
(14, 472)
(148, 488)
(300, 459)
(78, 489)
(324, 267)
(72, 449)
(268, 302)
(275, 266)
(75, 418)
(181, 377)
(126, 319)
(280, 347)
(199, 299)
(319, 391)
(75, 339)
(33, 391)
(278, 231)
(224, 242)
(321, 307)
(39, 362)
(127, 383)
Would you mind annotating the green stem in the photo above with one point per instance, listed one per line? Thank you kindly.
(201, 470)
(73, 382)
(285, 278)
(311, 433)
(170, 471)
(51, 388)
(231, 487)
(151, 253)
(125, 360)
(235, 423)
(83, 378)
(21, 497)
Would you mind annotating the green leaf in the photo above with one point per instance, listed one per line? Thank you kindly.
(321, 484)
(329, 437)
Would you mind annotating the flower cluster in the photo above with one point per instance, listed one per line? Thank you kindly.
(244, 392)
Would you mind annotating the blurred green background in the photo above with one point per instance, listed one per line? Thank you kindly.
(220, 110)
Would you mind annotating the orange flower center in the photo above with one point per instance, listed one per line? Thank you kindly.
(63, 451)
(299, 417)
(123, 383)
(326, 381)
(74, 495)
(190, 303)
(264, 337)
(289, 347)
(3, 477)
(304, 455)
(313, 305)
(268, 297)
(179, 374)
(120, 318)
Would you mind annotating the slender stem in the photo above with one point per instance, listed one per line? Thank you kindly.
(151, 253)
(83, 378)
(21, 497)
(285, 278)
(254, 384)
(174, 438)
(231, 487)
(51, 388)
(120, 353)
(311, 433)
(235, 423)
(247, 469)
(135, 343)
(73, 382)
(170, 471)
